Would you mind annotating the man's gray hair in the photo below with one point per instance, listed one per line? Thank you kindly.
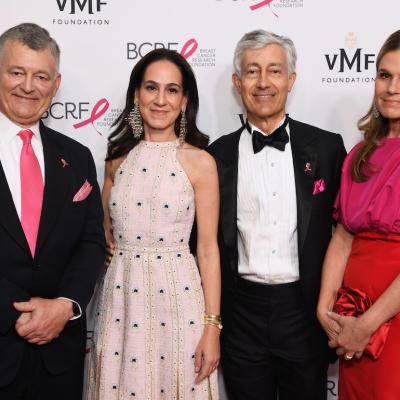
(33, 36)
(260, 38)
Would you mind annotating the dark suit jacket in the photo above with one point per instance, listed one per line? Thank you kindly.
(70, 251)
(325, 153)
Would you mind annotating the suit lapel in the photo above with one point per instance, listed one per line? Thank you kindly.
(305, 161)
(228, 172)
(8, 217)
(57, 182)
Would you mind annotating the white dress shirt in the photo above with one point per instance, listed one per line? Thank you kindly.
(266, 213)
(10, 153)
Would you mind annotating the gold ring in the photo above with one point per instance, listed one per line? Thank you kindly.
(347, 357)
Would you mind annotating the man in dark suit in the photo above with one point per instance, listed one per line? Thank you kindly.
(278, 181)
(51, 236)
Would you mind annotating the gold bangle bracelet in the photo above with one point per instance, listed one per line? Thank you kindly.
(216, 324)
(214, 316)
(211, 319)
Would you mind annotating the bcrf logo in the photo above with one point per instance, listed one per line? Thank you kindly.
(67, 110)
(139, 50)
(135, 50)
(78, 111)
(73, 6)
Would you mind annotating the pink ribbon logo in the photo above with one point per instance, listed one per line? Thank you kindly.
(98, 110)
(189, 48)
(262, 4)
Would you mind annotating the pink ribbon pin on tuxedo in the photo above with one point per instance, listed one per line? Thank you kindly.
(319, 186)
(83, 192)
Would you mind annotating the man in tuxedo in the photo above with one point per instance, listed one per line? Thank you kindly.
(51, 237)
(278, 181)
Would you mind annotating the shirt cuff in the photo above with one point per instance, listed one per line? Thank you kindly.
(79, 307)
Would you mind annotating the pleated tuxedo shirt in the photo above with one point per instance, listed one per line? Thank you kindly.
(266, 214)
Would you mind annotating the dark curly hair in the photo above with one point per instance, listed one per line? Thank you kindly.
(121, 140)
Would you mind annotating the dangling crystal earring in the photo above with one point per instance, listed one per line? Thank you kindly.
(182, 128)
(135, 121)
(375, 112)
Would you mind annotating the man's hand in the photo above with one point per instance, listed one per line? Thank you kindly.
(47, 319)
(23, 319)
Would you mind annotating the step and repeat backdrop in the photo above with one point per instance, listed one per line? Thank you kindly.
(101, 40)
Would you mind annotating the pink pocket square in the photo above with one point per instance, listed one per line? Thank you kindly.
(83, 192)
(319, 186)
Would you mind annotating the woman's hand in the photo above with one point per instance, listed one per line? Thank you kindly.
(201, 169)
(207, 353)
(353, 336)
(110, 245)
(332, 278)
(330, 326)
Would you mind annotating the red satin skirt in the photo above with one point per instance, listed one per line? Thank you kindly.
(373, 264)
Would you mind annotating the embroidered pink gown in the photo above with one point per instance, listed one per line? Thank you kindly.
(149, 318)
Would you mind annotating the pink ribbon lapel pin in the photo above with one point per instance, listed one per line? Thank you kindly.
(83, 192)
(64, 163)
(319, 186)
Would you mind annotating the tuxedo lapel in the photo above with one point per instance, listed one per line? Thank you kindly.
(57, 182)
(228, 174)
(8, 217)
(228, 158)
(305, 161)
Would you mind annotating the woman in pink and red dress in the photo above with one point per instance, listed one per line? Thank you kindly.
(364, 253)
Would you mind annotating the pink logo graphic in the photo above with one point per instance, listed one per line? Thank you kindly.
(98, 110)
(189, 48)
(262, 4)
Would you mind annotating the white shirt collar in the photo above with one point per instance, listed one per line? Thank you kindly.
(9, 130)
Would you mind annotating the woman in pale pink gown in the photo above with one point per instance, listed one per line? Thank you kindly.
(156, 333)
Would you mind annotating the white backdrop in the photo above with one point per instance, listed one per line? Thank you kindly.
(101, 40)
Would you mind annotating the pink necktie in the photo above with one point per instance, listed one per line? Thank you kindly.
(31, 190)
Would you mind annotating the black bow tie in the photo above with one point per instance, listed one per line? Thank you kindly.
(278, 138)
